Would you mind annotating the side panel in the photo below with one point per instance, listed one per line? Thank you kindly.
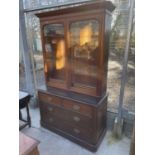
(107, 30)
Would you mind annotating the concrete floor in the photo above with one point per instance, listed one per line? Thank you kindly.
(53, 144)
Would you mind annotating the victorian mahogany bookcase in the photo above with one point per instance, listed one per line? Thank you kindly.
(75, 50)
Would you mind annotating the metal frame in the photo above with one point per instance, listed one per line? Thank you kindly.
(125, 62)
(56, 6)
(25, 48)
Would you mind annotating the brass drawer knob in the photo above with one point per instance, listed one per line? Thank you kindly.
(49, 99)
(50, 119)
(75, 118)
(76, 107)
(77, 131)
(50, 109)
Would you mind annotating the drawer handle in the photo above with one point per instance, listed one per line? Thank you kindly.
(51, 120)
(75, 118)
(49, 99)
(76, 107)
(77, 131)
(50, 109)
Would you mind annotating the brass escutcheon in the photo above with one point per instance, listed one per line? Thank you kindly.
(75, 118)
(49, 99)
(51, 119)
(76, 107)
(50, 109)
(77, 131)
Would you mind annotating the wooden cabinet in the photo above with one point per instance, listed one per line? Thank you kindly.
(75, 49)
(80, 121)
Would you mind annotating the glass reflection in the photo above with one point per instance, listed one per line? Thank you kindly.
(84, 47)
(55, 51)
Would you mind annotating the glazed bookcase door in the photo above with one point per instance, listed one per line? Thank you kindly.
(55, 59)
(84, 50)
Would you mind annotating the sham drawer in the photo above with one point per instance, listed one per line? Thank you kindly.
(51, 99)
(78, 107)
(66, 103)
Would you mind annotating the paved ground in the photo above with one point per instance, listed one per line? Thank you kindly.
(53, 144)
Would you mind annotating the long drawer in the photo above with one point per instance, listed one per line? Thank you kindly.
(48, 110)
(75, 130)
(66, 103)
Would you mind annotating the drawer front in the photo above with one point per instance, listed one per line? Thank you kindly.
(67, 104)
(46, 110)
(71, 117)
(78, 107)
(50, 99)
(85, 134)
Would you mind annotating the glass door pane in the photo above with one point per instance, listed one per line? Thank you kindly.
(84, 47)
(55, 51)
